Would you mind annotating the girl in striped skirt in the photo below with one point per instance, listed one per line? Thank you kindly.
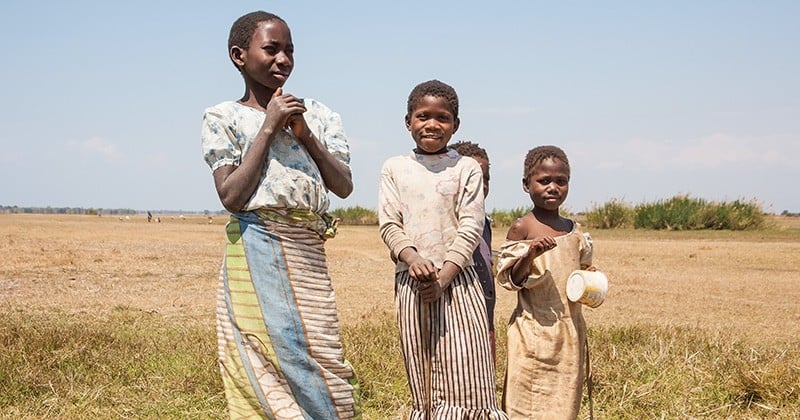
(274, 157)
(431, 216)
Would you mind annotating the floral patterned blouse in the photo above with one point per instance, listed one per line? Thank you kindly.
(291, 179)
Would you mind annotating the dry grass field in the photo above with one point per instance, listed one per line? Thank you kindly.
(747, 282)
(742, 284)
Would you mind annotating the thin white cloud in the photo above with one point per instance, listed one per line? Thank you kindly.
(708, 152)
(720, 149)
(101, 147)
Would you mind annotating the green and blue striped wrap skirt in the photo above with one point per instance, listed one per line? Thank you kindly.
(280, 351)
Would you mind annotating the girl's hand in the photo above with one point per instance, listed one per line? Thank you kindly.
(432, 290)
(422, 269)
(522, 267)
(280, 109)
(299, 128)
(540, 245)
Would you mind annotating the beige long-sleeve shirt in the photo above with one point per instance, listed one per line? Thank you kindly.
(433, 203)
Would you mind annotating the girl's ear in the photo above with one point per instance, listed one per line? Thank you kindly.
(408, 122)
(237, 55)
(456, 124)
(525, 185)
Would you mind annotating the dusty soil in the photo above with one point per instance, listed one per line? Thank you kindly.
(745, 284)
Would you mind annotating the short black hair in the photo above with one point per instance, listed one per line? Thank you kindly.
(538, 154)
(469, 149)
(433, 88)
(243, 28)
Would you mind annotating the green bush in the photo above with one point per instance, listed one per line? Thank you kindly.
(678, 213)
(356, 215)
(686, 213)
(613, 214)
(737, 215)
(505, 218)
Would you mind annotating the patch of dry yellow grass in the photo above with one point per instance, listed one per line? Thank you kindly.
(740, 283)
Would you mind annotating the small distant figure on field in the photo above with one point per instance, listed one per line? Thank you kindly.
(431, 215)
(547, 349)
(149, 216)
(274, 156)
(482, 256)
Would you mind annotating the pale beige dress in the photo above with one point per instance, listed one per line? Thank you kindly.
(546, 332)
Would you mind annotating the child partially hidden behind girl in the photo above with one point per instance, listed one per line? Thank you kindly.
(547, 332)
(431, 216)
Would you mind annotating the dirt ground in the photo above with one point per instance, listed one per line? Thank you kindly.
(745, 284)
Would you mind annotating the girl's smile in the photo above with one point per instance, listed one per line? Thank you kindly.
(432, 124)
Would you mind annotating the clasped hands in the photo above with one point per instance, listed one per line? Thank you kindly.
(285, 111)
(431, 281)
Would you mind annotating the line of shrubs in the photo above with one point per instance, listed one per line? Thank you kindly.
(355, 215)
(677, 213)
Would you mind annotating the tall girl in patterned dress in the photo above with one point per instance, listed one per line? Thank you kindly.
(431, 216)
(274, 157)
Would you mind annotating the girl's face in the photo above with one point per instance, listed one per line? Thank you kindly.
(548, 184)
(431, 124)
(269, 59)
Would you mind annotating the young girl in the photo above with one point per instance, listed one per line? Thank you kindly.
(431, 215)
(274, 156)
(546, 333)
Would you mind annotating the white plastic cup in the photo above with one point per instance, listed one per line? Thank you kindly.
(587, 287)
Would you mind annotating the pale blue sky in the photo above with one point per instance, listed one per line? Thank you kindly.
(102, 100)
